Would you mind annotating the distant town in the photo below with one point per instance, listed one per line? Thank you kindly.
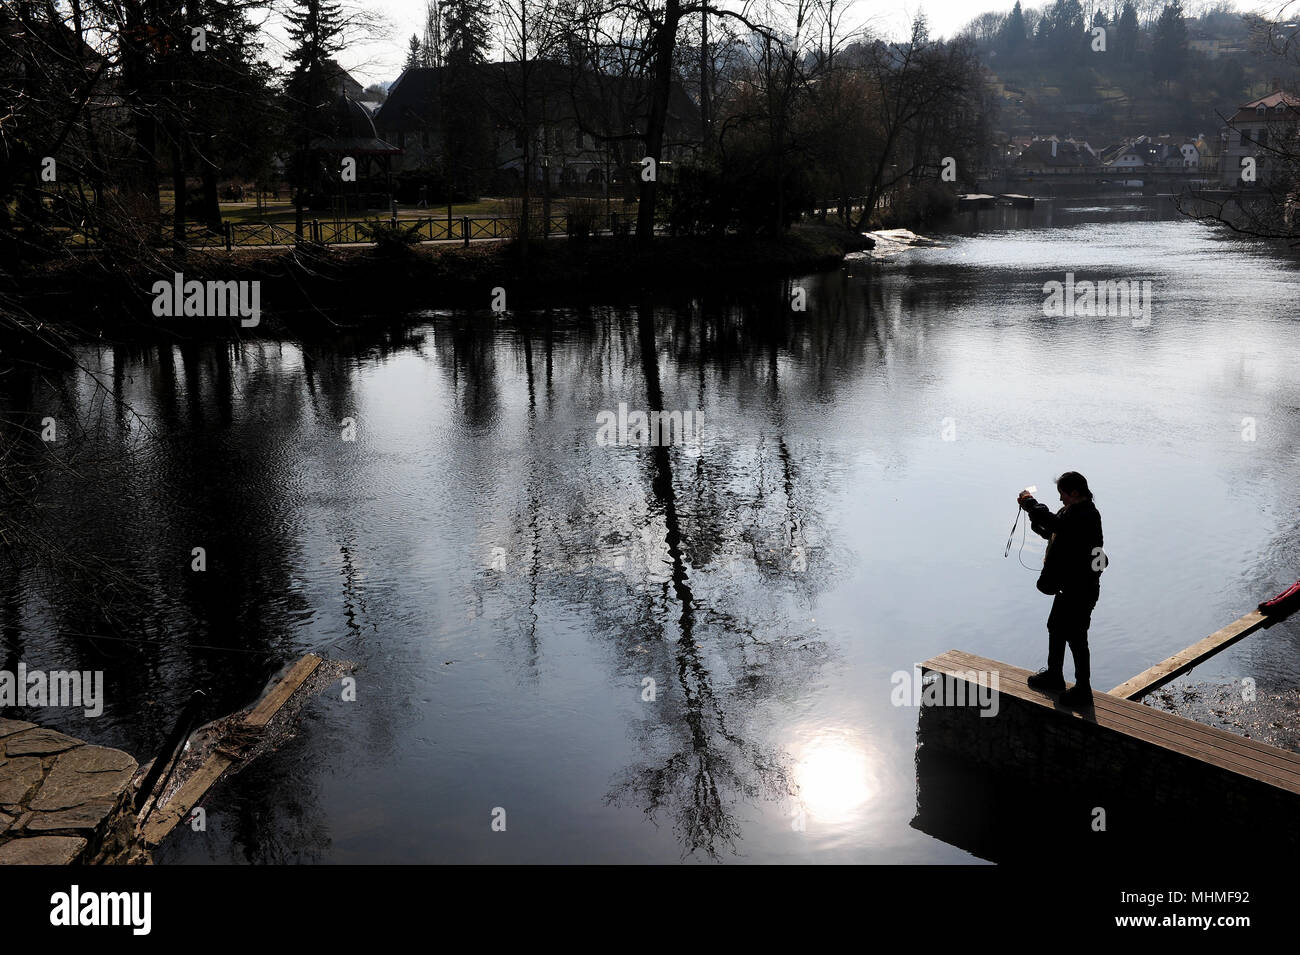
(1206, 158)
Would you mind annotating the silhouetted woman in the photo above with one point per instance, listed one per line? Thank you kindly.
(1072, 570)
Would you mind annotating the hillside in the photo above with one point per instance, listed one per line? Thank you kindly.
(1061, 85)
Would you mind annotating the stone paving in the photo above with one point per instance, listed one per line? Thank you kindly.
(62, 800)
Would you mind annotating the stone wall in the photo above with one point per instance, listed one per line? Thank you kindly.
(62, 800)
(1004, 786)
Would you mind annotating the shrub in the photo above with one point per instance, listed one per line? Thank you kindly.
(584, 218)
(392, 241)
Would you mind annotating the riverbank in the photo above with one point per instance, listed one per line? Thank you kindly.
(312, 286)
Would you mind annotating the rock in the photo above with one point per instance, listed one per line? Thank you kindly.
(9, 727)
(86, 816)
(17, 776)
(42, 850)
(82, 775)
(4, 822)
(39, 742)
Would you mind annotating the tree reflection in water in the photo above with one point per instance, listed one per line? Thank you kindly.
(669, 575)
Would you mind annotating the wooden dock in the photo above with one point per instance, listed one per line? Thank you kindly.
(998, 771)
(1149, 728)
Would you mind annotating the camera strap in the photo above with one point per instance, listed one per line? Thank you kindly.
(1014, 524)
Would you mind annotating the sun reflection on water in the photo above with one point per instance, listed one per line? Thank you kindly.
(834, 777)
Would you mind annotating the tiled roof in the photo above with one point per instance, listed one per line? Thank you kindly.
(1271, 102)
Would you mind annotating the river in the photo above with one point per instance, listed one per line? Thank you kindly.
(617, 653)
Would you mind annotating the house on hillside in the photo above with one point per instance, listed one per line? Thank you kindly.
(1108, 154)
(582, 129)
(1056, 155)
(1167, 153)
(1253, 130)
(1132, 155)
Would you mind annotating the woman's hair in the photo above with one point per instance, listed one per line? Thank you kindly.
(1074, 483)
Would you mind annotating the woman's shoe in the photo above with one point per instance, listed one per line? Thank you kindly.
(1047, 680)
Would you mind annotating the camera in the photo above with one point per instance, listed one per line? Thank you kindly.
(1032, 489)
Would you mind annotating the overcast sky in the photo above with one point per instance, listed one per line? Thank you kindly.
(380, 60)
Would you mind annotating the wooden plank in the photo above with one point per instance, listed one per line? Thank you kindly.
(1157, 676)
(280, 693)
(1245, 757)
(164, 820)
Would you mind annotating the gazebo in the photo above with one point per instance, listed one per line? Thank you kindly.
(353, 136)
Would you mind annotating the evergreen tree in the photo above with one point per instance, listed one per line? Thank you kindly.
(1013, 31)
(1126, 32)
(315, 29)
(1065, 28)
(414, 56)
(1169, 45)
(466, 31)
(468, 155)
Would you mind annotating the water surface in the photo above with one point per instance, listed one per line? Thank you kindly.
(507, 584)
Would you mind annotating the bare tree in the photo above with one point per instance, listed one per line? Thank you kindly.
(531, 33)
